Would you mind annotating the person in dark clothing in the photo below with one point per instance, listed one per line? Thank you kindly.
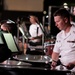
(6, 27)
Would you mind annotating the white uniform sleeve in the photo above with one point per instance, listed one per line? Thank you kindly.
(57, 46)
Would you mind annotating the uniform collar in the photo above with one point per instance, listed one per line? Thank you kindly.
(68, 34)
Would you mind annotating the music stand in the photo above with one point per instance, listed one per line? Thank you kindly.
(11, 44)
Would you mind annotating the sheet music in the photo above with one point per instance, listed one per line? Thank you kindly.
(10, 42)
(21, 30)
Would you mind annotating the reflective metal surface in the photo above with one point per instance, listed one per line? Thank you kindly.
(35, 58)
(28, 61)
(13, 63)
(40, 60)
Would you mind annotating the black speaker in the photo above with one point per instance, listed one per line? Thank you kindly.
(5, 53)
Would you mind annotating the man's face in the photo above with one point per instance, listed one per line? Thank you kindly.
(60, 22)
(32, 19)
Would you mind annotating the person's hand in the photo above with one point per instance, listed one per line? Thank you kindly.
(31, 38)
(53, 65)
(70, 66)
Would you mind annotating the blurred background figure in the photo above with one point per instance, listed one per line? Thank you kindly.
(35, 32)
(9, 26)
(5, 52)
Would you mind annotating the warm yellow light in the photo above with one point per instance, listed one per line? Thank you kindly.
(44, 12)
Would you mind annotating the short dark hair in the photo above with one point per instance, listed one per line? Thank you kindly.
(62, 12)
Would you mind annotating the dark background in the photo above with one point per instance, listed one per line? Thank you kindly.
(13, 15)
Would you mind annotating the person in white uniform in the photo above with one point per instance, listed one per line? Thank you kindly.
(65, 42)
(35, 32)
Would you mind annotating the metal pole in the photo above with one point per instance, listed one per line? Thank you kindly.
(18, 34)
(49, 18)
(43, 19)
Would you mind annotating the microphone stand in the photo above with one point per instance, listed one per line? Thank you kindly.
(21, 28)
(18, 24)
(43, 30)
(43, 19)
(24, 31)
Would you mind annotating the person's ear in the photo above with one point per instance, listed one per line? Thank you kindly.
(66, 20)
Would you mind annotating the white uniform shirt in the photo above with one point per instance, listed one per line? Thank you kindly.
(33, 31)
(65, 46)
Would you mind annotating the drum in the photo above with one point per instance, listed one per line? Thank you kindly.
(49, 49)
